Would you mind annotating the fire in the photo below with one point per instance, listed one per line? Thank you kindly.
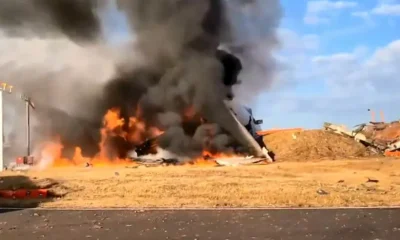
(203, 161)
(207, 158)
(51, 154)
(135, 131)
(78, 157)
(155, 132)
(112, 120)
(189, 112)
(217, 155)
(113, 125)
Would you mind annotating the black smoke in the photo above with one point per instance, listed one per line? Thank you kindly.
(77, 19)
(179, 40)
(181, 66)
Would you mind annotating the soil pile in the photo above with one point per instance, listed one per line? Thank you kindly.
(313, 145)
(15, 182)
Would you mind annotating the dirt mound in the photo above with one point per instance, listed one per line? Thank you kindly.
(313, 145)
(20, 182)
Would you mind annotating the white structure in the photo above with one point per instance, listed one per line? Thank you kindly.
(1, 132)
(5, 88)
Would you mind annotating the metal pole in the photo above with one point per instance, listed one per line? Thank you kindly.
(28, 128)
(1, 133)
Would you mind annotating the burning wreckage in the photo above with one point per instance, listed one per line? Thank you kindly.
(147, 152)
(178, 98)
(216, 145)
(124, 139)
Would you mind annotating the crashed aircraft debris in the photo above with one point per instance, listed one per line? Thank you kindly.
(383, 137)
(228, 161)
(248, 126)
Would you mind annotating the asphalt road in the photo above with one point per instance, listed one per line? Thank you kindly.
(334, 224)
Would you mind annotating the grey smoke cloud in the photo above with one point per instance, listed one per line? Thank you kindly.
(77, 19)
(253, 38)
(64, 63)
(180, 38)
(53, 51)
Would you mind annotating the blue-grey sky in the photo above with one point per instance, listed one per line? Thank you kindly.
(341, 58)
(344, 58)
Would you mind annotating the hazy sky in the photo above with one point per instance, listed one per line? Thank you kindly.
(341, 58)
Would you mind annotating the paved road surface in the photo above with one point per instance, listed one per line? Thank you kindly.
(352, 224)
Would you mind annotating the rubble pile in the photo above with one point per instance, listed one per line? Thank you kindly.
(313, 145)
(380, 136)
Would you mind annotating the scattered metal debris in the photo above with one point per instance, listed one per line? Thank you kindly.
(379, 137)
(229, 161)
(97, 227)
(370, 180)
(322, 192)
(239, 161)
(88, 164)
(157, 162)
(13, 166)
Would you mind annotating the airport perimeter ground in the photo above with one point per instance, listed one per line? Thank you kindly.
(373, 181)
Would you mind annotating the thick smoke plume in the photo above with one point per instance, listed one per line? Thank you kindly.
(77, 19)
(63, 62)
(252, 38)
(53, 52)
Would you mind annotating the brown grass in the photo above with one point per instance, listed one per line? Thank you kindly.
(287, 184)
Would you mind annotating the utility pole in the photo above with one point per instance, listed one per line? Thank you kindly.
(28, 128)
(28, 105)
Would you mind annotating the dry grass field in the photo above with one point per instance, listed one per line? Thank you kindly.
(286, 184)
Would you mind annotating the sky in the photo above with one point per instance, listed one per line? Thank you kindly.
(342, 58)
(339, 58)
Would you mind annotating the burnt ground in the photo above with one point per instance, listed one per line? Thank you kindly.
(367, 224)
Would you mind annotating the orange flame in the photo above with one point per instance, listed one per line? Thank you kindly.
(112, 126)
(189, 112)
(135, 131)
(207, 158)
